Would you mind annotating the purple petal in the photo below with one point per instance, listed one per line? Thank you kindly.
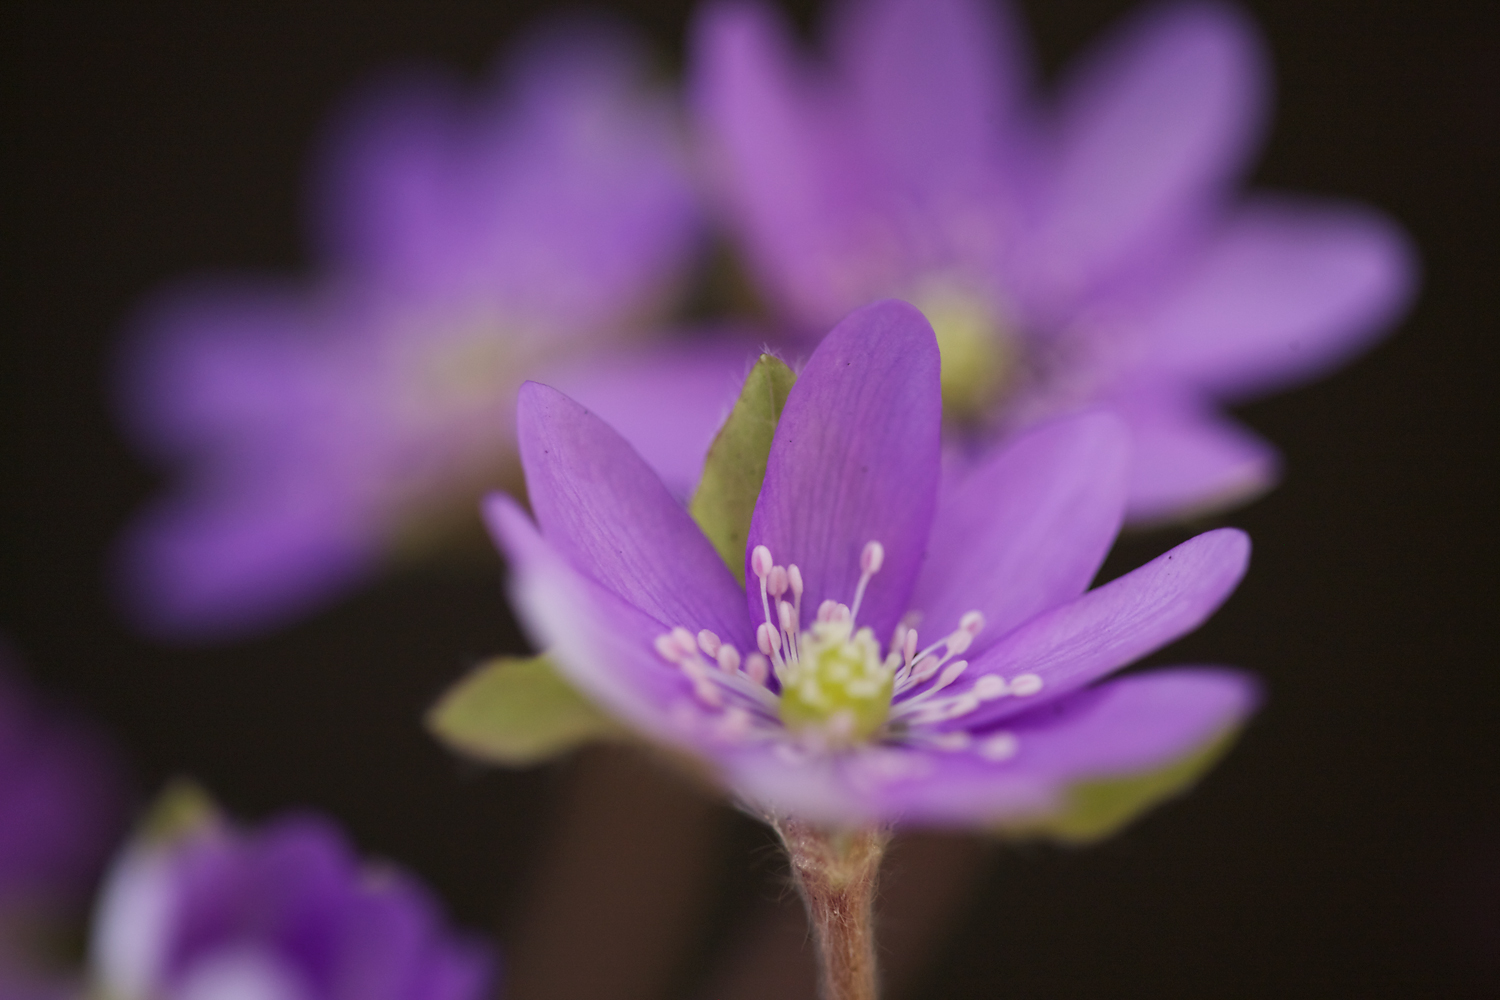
(1027, 530)
(856, 459)
(604, 510)
(884, 785)
(667, 401)
(1285, 293)
(785, 159)
(250, 555)
(935, 85)
(1113, 625)
(603, 643)
(1132, 724)
(570, 168)
(1152, 128)
(1188, 459)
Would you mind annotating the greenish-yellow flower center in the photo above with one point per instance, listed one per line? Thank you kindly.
(837, 683)
(980, 351)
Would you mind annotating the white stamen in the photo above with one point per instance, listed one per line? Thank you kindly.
(909, 647)
(709, 643)
(760, 561)
(777, 582)
(757, 668)
(767, 638)
(794, 578)
(686, 641)
(1001, 746)
(729, 659)
(870, 561)
(826, 610)
(990, 686)
(1025, 684)
(666, 648)
(971, 622)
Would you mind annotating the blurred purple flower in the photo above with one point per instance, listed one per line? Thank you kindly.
(465, 245)
(1092, 250)
(993, 720)
(63, 795)
(285, 912)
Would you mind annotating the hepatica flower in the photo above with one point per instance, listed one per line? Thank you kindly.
(282, 912)
(63, 795)
(1087, 250)
(466, 244)
(908, 647)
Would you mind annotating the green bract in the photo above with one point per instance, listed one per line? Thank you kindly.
(517, 712)
(736, 463)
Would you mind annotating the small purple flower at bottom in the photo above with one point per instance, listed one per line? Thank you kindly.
(63, 796)
(912, 647)
(283, 912)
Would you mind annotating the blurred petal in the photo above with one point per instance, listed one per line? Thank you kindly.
(668, 401)
(1189, 459)
(215, 565)
(855, 459)
(571, 168)
(1113, 625)
(784, 157)
(1027, 529)
(935, 84)
(1152, 127)
(1283, 294)
(603, 509)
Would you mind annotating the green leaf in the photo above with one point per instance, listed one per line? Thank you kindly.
(517, 712)
(736, 463)
(1094, 810)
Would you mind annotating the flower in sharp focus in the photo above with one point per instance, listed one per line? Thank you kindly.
(911, 646)
(63, 795)
(467, 244)
(1088, 251)
(283, 912)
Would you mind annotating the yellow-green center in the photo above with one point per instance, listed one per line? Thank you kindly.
(979, 350)
(839, 685)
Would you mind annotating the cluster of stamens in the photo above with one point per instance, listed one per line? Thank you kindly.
(833, 689)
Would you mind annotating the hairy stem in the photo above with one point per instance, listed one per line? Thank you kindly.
(836, 872)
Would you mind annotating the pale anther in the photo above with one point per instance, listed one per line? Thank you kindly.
(989, 687)
(767, 638)
(708, 642)
(1025, 684)
(777, 582)
(871, 558)
(686, 641)
(971, 622)
(666, 646)
(757, 668)
(794, 577)
(1001, 746)
(729, 659)
(760, 561)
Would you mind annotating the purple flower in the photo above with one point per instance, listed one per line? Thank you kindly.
(1090, 250)
(912, 645)
(63, 795)
(285, 912)
(465, 245)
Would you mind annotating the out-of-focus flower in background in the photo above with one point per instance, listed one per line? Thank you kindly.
(63, 798)
(196, 908)
(808, 692)
(1088, 250)
(320, 428)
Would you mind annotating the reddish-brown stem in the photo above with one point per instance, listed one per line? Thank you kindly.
(835, 872)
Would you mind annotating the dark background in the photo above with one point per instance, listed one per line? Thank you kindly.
(1350, 845)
